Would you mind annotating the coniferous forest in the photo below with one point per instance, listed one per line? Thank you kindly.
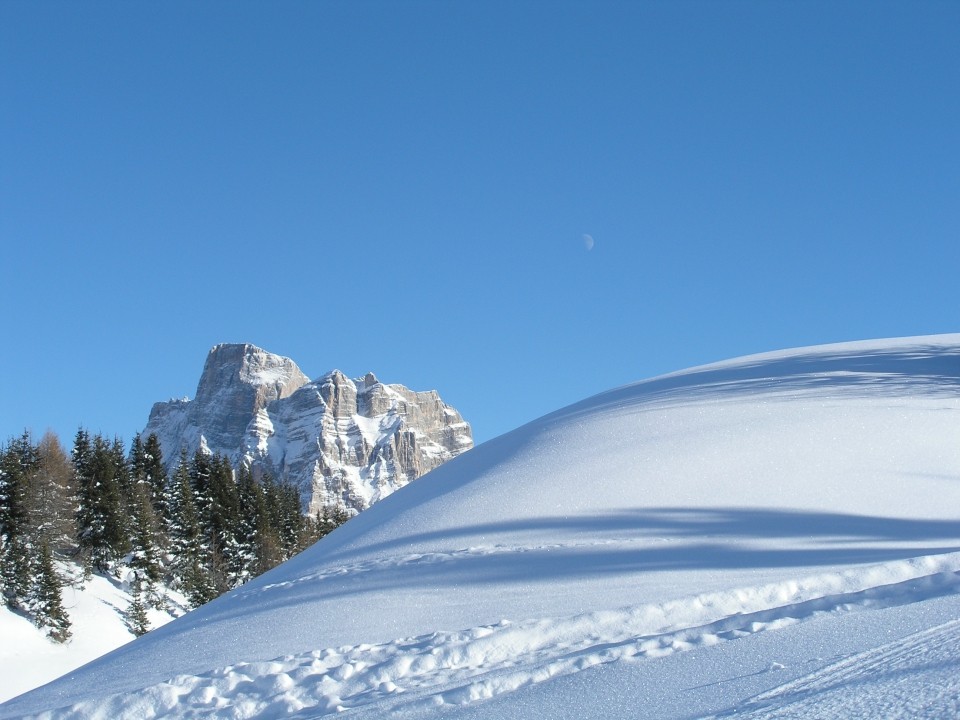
(203, 530)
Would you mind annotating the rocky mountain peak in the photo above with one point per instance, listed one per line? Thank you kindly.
(238, 381)
(344, 442)
(232, 365)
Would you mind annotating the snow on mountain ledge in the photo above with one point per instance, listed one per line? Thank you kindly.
(343, 442)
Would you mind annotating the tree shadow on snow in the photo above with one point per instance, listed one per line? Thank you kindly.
(679, 522)
(641, 541)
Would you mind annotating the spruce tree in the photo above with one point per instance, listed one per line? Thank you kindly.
(16, 572)
(101, 474)
(329, 519)
(156, 476)
(18, 467)
(46, 601)
(147, 528)
(184, 528)
(145, 553)
(221, 521)
(291, 520)
(200, 472)
(122, 478)
(186, 544)
(286, 519)
(84, 518)
(224, 503)
(257, 545)
(82, 454)
(18, 461)
(136, 614)
(137, 461)
(323, 523)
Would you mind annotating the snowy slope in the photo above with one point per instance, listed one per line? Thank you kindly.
(747, 536)
(96, 608)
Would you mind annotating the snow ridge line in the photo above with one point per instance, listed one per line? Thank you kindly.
(458, 668)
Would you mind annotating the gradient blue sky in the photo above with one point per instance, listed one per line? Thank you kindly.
(405, 187)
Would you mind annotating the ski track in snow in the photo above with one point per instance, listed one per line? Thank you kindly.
(916, 676)
(458, 668)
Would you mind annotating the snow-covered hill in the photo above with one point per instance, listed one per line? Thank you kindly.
(776, 535)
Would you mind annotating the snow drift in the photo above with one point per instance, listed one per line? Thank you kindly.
(795, 509)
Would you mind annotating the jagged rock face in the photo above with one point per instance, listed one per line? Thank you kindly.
(238, 382)
(343, 442)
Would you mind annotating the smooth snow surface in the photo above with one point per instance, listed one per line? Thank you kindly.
(774, 536)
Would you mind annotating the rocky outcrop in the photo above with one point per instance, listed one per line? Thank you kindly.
(343, 442)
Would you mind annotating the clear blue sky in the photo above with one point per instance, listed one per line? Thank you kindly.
(405, 187)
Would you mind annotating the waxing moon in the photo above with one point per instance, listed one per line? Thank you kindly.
(588, 242)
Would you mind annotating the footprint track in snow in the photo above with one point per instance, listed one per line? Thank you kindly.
(461, 667)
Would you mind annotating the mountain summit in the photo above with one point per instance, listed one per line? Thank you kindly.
(343, 442)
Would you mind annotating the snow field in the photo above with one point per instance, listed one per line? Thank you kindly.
(683, 546)
(460, 668)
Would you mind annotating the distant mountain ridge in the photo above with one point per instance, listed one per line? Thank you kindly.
(343, 442)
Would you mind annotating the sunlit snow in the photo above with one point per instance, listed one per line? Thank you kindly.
(96, 607)
(774, 536)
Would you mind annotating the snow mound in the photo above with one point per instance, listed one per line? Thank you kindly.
(637, 546)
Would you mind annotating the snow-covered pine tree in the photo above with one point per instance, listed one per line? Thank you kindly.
(257, 545)
(221, 520)
(123, 478)
(155, 474)
(82, 457)
(145, 553)
(327, 520)
(286, 518)
(186, 544)
(16, 572)
(136, 614)
(18, 462)
(18, 466)
(200, 472)
(146, 467)
(101, 528)
(148, 530)
(46, 602)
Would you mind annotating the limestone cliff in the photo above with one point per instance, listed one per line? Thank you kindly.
(342, 441)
